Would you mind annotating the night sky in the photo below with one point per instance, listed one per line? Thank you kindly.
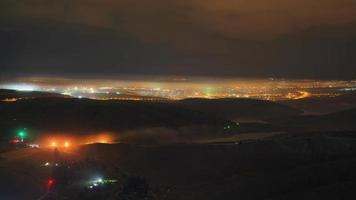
(237, 38)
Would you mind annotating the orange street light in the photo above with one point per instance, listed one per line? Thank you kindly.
(66, 144)
(54, 144)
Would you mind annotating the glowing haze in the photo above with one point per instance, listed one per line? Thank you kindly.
(248, 38)
(163, 20)
(168, 88)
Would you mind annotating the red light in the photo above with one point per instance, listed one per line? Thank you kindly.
(50, 182)
(15, 141)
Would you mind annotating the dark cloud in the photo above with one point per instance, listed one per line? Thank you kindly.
(294, 38)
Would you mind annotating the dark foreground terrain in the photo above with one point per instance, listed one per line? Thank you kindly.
(190, 149)
(305, 166)
(293, 166)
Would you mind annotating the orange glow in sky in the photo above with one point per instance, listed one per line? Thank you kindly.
(99, 138)
(70, 141)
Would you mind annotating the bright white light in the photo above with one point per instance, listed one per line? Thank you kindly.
(34, 145)
(67, 93)
(47, 164)
(21, 87)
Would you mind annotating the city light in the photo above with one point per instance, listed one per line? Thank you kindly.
(20, 87)
(54, 144)
(66, 144)
(103, 138)
(100, 182)
(10, 99)
(147, 90)
(33, 145)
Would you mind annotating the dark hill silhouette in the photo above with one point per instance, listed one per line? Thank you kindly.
(323, 105)
(342, 120)
(83, 115)
(231, 108)
(296, 164)
(235, 108)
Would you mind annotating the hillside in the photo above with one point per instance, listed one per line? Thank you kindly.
(342, 120)
(295, 164)
(84, 115)
(240, 108)
(323, 105)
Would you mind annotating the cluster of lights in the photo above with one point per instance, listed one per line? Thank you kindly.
(231, 126)
(269, 89)
(11, 99)
(47, 164)
(19, 137)
(100, 182)
(96, 183)
(55, 144)
(33, 145)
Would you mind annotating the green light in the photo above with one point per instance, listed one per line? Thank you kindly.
(22, 134)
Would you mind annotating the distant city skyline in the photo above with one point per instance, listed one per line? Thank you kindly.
(175, 88)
